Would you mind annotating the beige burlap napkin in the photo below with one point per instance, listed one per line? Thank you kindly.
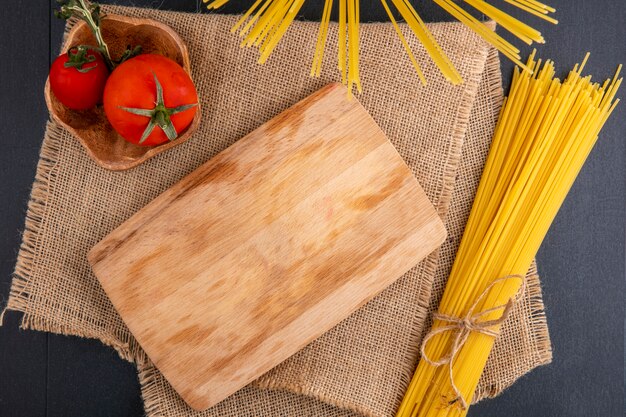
(361, 366)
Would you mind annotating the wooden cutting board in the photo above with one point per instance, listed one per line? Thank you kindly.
(266, 246)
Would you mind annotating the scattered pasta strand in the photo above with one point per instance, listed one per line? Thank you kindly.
(546, 130)
(215, 4)
(540, 14)
(505, 47)
(419, 29)
(256, 17)
(516, 27)
(245, 16)
(341, 46)
(280, 27)
(266, 22)
(316, 68)
(353, 45)
(538, 9)
(405, 44)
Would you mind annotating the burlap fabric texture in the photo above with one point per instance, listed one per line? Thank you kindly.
(363, 365)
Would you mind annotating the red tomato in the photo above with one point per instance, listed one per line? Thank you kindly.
(77, 78)
(136, 109)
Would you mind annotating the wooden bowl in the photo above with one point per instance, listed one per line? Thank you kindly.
(102, 143)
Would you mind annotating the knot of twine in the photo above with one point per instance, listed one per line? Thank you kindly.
(471, 322)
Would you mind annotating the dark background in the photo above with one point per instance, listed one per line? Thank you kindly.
(581, 262)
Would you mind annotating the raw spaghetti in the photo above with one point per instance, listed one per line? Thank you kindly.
(264, 24)
(545, 131)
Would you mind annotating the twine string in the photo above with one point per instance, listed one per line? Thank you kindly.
(471, 322)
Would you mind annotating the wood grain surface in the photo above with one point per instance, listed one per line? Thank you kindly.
(267, 246)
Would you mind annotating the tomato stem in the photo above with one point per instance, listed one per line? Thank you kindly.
(89, 13)
(77, 57)
(159, 115)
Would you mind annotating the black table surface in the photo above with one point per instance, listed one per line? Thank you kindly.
(581, 262)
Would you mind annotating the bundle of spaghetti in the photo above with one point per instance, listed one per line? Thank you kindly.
(264, 24)
(545, 131)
